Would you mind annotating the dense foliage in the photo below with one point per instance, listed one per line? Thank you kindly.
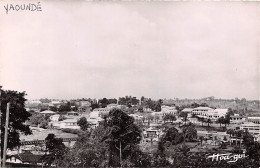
(17, 117)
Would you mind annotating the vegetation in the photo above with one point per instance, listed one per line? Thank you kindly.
(56, 151)
(17, 117)
(82, 122)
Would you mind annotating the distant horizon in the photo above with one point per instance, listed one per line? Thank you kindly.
(157, 49)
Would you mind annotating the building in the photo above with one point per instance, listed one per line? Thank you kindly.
(111, 106)
(255, 120)
(151, 133)
(202, 111)
(25, 158)
(209, 113)
(69, 123)
(217, 113)
(168, 110)
(236, 118)
(47, 112)
(72, 114)
(252, 128)
(99, 112)
(85, 103)
(55, 118)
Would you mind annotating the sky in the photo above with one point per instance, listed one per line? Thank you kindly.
(79, 49)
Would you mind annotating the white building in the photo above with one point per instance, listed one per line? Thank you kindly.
(99, 112)
(255, 120)
(217, 113)
(209, 113)
(202, 111)
(168, 110)
(252, 128)
(236, 118)
(111, 106)
(69, 123)
(55, 118)
(85, 103)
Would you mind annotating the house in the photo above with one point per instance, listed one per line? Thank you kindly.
(85, 103)
(255, 120)
(111, 106)
(69, 123)
(55, 118)
(236, 118)
(209, 113)
(202, 111)
(151, 133)
(47, 112)
(251, 127)
(72, 114)
(25, 158)
(99, 112)
(217, 113)
(168, 110)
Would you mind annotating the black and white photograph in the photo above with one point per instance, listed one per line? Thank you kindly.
(121, 83)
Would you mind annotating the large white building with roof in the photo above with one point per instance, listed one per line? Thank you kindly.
(209, 113)
(255, 120)
(252, 128)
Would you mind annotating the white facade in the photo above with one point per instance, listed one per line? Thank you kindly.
(255, 120)
(237, 119)
(168, 110)
(209, 113)
(201, 111)
(252, 128)
(85, 103)
(111, 106)
(69, 123)
(98, 112)
(55, 118)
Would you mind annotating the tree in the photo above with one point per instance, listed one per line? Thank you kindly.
(185, 116)
(221, 120)
(39, 120)
(94, 105)
(65, 107)
(103, 102)
(208, 121)
(17, 117)
(56, 150)
(83, 123)
(122, 136)
(170, 117)
(201, 119)
(189, 133)
(173, 136)
(53, 108)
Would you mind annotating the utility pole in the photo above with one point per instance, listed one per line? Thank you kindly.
(0, 131)
(6, 133)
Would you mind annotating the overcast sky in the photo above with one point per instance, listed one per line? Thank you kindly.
(76, 49)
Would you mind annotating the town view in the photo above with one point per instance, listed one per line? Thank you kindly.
(112, 83)
(131, 132)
